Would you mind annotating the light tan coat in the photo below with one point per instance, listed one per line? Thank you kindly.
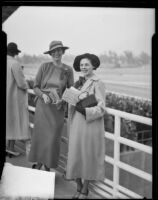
(17, 116)
(86, 149)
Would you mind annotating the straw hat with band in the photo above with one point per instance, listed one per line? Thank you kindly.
(93, 58)
(12, 47)
(54, 45)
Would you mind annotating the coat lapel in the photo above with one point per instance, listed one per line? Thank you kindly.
(88, 83)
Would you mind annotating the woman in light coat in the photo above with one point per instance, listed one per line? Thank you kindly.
(86, 150)
(17, 115)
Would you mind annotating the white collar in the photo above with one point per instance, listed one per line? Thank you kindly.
(94, 78)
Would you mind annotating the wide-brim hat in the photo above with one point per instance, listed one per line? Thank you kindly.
(54, 45)
(93, 58)
(12, 47)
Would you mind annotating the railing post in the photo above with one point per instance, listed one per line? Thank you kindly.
(116, 154)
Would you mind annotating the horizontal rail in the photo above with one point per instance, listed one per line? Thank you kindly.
(106, 191)
(135, 171)
(130, 169)
(130, 143)
(103, 187)
(30, 91)
(129, 192)
(136, 145)
(31, 125)
(100, 192)
(129, 116)
(122, 189)
(31, 108)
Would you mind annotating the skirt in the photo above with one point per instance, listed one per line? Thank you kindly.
(48, 127)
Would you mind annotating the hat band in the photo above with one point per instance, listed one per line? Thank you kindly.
(13, 50)
(55, 47)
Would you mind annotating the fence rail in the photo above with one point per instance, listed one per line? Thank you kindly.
(108, 188)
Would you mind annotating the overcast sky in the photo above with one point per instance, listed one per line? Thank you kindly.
(83, 29)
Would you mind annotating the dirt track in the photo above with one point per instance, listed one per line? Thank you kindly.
(130, 90)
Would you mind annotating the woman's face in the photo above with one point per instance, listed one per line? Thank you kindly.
(86, 67)
(57, 54)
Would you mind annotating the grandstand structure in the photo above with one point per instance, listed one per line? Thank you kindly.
(128, 162)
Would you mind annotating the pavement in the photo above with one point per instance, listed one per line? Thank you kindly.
(64, 189)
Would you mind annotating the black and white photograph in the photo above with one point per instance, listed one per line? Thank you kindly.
(78, 103)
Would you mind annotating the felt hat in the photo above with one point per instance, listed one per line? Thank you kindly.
(55, 44)
(93, 58)
(12, 47)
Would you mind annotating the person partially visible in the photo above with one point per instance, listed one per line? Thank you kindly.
(86, 148)
(17, 115)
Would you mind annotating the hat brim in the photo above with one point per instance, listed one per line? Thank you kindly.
(48, 52)
(14, 50)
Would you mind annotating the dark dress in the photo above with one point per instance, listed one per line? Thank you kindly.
(49, 118)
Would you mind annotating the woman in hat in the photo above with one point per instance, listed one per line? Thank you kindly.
(17, 116)
(86, 150)
(50, 82)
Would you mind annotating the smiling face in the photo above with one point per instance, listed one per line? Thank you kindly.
(86, 67)
(57, 54)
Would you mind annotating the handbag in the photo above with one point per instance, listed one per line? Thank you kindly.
(89, 101)
(53, 95)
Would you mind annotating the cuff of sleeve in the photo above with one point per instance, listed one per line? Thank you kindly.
(90, 115)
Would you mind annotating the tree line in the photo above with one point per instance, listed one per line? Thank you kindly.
(127, 58)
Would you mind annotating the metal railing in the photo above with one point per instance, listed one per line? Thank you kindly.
(108, 188)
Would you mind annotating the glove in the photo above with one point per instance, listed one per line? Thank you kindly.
(46, 98)
(81, 110)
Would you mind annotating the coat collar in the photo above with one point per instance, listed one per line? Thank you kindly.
(89, 81)
(93, 78)
(10, 57)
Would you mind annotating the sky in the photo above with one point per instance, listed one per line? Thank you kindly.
(83, 29)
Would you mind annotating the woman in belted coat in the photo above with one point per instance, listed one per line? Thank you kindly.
(86, 150)
(50, 82)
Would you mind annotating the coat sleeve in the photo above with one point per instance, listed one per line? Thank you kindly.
(19, 76)
(98, 111)
(70, 78)
(38, 81)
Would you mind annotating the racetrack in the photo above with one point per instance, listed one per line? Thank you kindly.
(129, 81)
(136, 91)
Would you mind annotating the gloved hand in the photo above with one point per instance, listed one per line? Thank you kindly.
(46, 98)
(81, 110)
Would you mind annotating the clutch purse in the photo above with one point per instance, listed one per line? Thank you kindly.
(89, 101)
(54, 96)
